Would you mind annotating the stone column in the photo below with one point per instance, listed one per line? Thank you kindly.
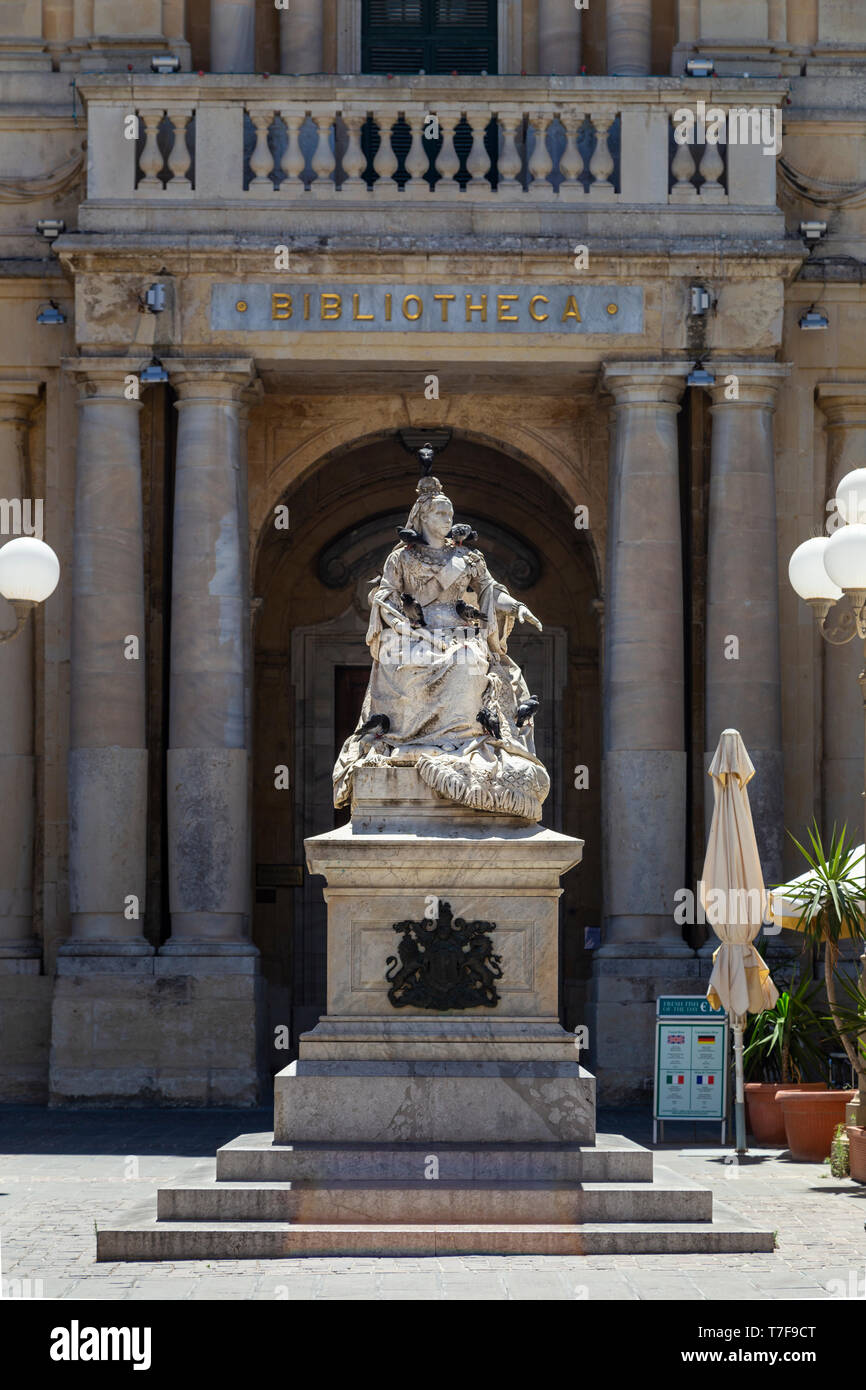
(301, 33)
(19, 950)
(558, 37)
(644, 721)
(644, 759)
(232, 35)
(629, 37)
(743, 668)
(208, 756)
(844, 407)
(108, 754)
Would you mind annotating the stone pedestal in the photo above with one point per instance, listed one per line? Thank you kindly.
(373, 1072)
(416, 1131)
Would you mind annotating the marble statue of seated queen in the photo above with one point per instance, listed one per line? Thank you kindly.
(444, 694)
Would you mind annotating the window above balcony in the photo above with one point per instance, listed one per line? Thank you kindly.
(431, 36)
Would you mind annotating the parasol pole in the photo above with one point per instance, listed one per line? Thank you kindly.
(737, 1024)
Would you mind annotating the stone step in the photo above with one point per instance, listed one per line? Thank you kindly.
(477, 1203)
(152, 1240)
(256, 1158)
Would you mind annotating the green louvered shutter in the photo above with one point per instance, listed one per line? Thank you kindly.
(440, 36)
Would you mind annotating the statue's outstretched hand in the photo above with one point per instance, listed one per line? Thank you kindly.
(525, 615)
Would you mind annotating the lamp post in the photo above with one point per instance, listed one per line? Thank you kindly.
(29, 572)
(829, 572)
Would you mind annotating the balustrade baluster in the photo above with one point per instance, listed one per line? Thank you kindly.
(571, 160)
(324, 159)
(385, 161)
(510, 163)
(354, 160)
(261, 159)
(417, 162)
(711, 168)
(601, 164)
(150, 160)
(180, 159)
(683, 167)
(478, 160)
(448, 160)
(292, 161)
(541, 161)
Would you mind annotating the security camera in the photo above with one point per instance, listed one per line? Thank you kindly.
(700, 67)
(813, 231)
(154, 299)
(50, 227)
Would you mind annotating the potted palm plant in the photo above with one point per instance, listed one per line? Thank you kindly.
(783, 1048)
(850, 1021)
(830, 902)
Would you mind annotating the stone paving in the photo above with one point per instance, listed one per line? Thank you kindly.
(62, 1171)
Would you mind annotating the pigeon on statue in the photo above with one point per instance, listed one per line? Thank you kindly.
(468, 613)
(410, 537)
(413, 610)
(489, 723)
(463, 534)
(527, 710)
(373, 729)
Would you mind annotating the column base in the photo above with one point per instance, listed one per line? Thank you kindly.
(25, 1008)
(621, 1016)
(158, 1030)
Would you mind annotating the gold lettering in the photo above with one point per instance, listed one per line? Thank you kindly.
(445, 300)
(406, 314)
(538, 299)
(307, 307)
(281, 306)
(387, 308)
(476, 308)
(356, 314)
(571, 310)
(502, 302)
(331, 306)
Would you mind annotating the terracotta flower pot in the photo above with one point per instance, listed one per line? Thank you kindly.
(764, 1114)
(810, 1119)
(857, 1152)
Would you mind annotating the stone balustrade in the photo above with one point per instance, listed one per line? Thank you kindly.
(372, 141)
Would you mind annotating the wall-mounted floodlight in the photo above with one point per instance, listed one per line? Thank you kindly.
(700, 298)
(699, 376)
(165, 62)
(813, 319)
(153, 373)
(700, 67)
(51, 313)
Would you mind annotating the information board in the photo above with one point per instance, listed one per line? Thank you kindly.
(691, 1054)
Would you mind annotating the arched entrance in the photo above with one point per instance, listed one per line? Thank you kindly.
(311, 666)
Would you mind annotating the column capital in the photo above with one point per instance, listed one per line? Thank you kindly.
(843, 403)
(645, 383)
(104, 378)
(757, 382)
(200, 379)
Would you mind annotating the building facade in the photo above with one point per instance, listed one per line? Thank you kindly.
(238, 289)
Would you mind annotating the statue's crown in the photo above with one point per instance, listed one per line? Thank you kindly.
(428, 487)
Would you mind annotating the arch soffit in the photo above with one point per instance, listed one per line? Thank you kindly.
(529, 446)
